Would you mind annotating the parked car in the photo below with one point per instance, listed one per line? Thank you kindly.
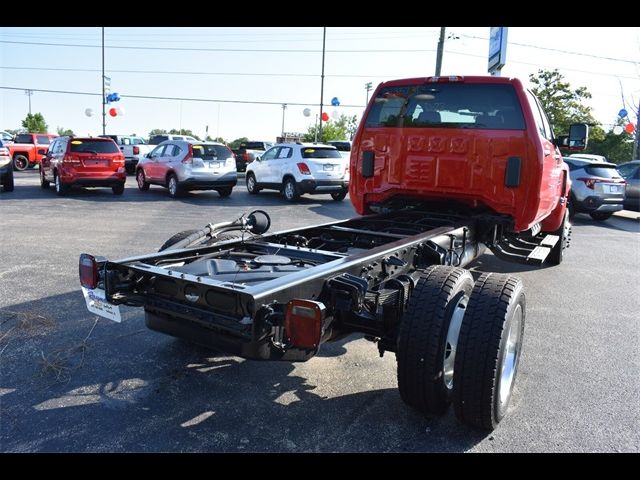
(133, 148)
(181, 165)
(299, 168)
(6, 137)
(83, 161)
(6, 168)
(596, 188)
(631, 173)
(343, 146)
(158, 139)
(28, 149)
(249, 151)
(590, 157)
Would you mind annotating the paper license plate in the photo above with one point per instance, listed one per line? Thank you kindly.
(97, 303)
(328, 168)
(214, 164)
(614, 188)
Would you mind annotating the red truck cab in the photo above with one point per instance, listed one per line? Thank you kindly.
(29, 148)
(482, 141)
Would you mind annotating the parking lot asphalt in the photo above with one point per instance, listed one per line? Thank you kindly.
(70, 382)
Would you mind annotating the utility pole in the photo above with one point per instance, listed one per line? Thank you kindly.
(104, 100)
(636, 150)
(28, 93)
(367, 87)
(440, 51)
(324, 37)
(284, 107)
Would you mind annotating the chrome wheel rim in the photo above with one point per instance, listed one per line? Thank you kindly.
(57, 183)
(451, 343)
(510, 357)
(251, 183)
(140, 179)
(288, 190)
(173, 186)
(20, 163)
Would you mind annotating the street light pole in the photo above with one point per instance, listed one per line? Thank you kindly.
(367, 87)
(284, 107)
(28, 93)
(104, 101)
(440, 51)
(324, 37)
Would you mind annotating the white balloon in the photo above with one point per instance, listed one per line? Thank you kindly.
(618, 129)
(121, 110)
(306, 112)
(89, 112)
(335, 114)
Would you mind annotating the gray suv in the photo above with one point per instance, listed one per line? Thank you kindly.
(181, 166)
(631, 173)
(596, 188)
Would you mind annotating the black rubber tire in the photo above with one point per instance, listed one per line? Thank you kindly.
(61, 188)
(233, 235)
(339, 196)
(7, 184)
(422, 338)
(178, 191)
(141, 180)
(176, 238)
(225, 192)
(20, 163)
(130, 169)
(254, 190)
(118, 189)
(295, 195)
(600, 216)
(494, 303)
(556, 256)
(571, 207)
(43, 183)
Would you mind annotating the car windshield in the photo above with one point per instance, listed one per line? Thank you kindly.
(316, 152)
(447, 105)
(93, 146)
(603, 171)
(211, 152)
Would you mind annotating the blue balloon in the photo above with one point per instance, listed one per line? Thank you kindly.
(623, 113)
(335, 102)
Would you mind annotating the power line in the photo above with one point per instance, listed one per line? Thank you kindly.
(186, 99)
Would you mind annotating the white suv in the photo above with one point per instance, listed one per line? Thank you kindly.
(299, 168)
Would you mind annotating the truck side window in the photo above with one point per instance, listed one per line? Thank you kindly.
(538, 117)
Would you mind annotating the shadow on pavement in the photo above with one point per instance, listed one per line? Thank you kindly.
(69, 383)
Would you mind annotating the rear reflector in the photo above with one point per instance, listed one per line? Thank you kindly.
(303, 323)
(136, 150)
(189, 157)
(88, 271)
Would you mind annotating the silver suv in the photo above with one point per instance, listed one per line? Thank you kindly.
(596, 188)
(182, 166)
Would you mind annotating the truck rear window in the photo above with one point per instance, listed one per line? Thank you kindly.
(22, 138)
(211, 152)
(93, 146)
(320, 153)
(442, 105)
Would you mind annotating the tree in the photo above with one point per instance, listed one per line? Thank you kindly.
(64, 131)
(183, 131)
(617, 148)
(157, 131)
(236, 143)
(341, 128)
(34, 123)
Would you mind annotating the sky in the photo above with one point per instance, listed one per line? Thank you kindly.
(280, 66)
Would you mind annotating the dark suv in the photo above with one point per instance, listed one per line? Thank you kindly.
(248, 151)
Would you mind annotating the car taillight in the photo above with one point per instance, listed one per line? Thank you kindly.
(591, 182)
(88, 271)
(303, 323)
(189, 158)
(304, 169)
(71, 159)
(245, 157)
(136, 150)
(4, 151)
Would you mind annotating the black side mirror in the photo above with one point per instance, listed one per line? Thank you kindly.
(578, 136)
(562, 141)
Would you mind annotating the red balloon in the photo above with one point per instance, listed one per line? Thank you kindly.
(113, 112)
(325, 117)
(629, 128)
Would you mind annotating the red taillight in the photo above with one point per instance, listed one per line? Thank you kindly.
(4, 151)
(245, 157)
(71, 159)
(303, 323)
(304, 169)
(189, 158)
(136, 150)
(591, 182)
(88, 271)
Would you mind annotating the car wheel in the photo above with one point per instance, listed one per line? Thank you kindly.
(118, 189)
(20, 163)
(225, 192)
(600, 216)
(143, 185)
(290, 189)
(173, 186)
(61, 188)
(428, 338)
(564, 232)
(338, 196)
(489, 350)
(252, 185)
(43, 182)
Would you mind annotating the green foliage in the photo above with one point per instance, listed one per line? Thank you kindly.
(341, 128)
(617, 148)
(157, 131)
(563, 104)
(236, 143)
(64, 131)
(183, 131)
(34, 123)
(217, 139)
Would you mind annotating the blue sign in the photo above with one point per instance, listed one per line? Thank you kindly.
(623, 113)
(335, 102)
(497, 48)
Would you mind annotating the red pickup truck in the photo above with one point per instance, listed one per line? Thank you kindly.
(29, 148)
